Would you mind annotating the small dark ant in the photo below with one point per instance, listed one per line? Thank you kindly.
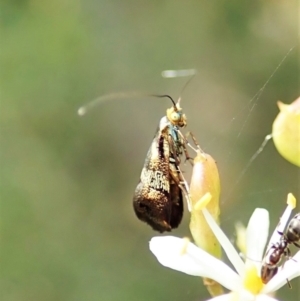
(280, 249)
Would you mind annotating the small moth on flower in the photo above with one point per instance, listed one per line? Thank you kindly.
(158, 197)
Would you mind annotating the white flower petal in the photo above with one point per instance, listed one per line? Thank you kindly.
(226, 297)
(180, 255)
(257, 235)
(242, 296)
(265, 298)
(227, 246)
(289, 270)
(281, 226)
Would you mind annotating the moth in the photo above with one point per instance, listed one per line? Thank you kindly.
(158, 199)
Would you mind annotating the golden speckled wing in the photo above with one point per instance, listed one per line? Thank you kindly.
(158, 198)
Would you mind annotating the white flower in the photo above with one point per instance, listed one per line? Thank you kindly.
(244, 282)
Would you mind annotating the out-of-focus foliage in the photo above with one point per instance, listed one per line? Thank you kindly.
(68, 231)
(286, 131)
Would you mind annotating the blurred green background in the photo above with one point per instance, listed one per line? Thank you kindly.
(68, 231)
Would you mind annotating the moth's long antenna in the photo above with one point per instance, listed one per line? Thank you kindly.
(188, 81)
(129, 95)
(180, 73)
(121, 95)
(118, 95)
(165, 95)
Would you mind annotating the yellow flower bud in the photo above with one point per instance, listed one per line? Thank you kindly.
(205, 186)
(286, 131)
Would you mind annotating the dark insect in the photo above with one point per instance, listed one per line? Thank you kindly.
(280, 249)
(158, 197)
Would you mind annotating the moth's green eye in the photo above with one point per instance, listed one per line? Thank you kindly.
(175, 116)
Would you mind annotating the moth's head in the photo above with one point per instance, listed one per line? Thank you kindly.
(176, 116)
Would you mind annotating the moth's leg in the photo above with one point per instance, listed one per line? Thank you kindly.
(196, 148)
(183, 143)
(177, 176)
(190, 134)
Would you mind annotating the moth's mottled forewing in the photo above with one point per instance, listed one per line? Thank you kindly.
(152, 200)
